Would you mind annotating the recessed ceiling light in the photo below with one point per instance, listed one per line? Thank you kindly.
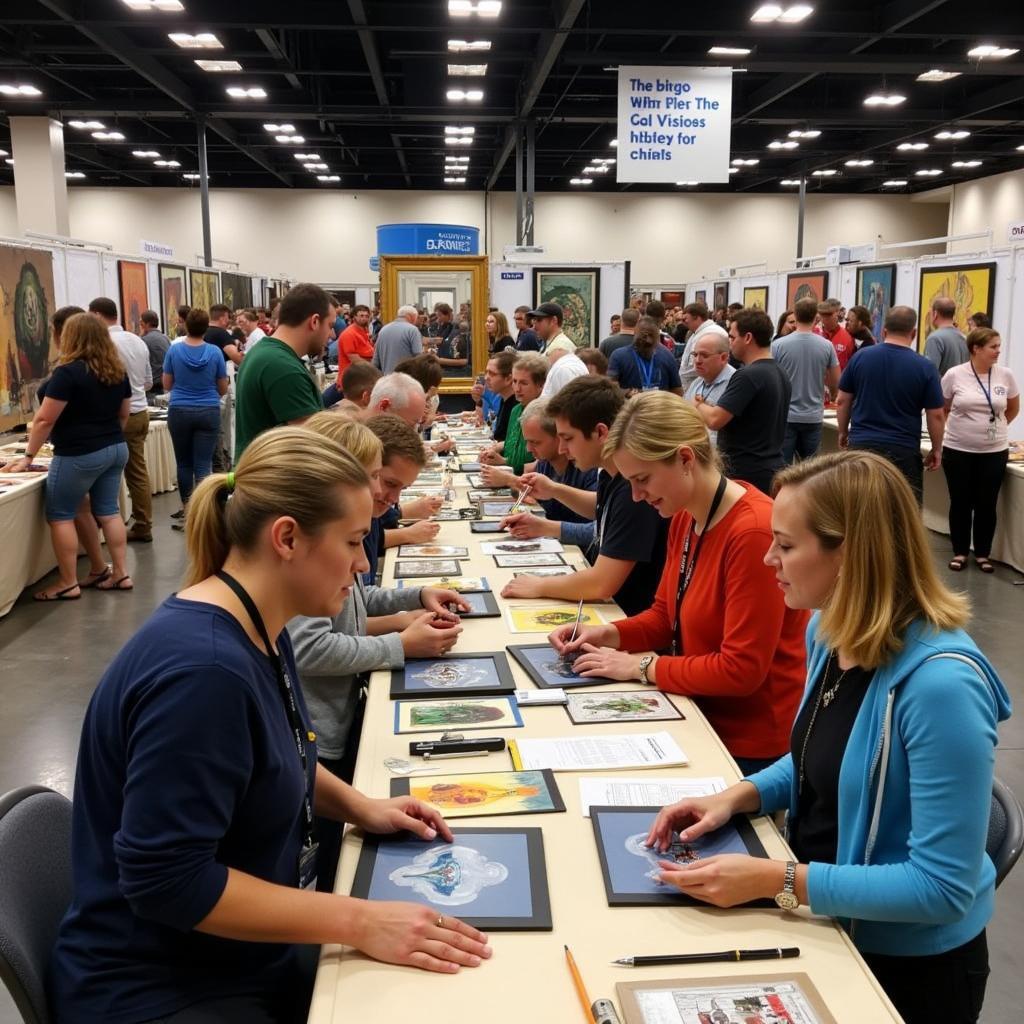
(740, 162)
(191, 176)
(604, 160)
(320, 166)
(468, 46)
(894, 183)
(879, 99)
(167, 163)
(581, 181)
(859, 163)
(290, 139)
(734, 170)
(1020, 149)
(468, 70)
(458, 140)
(967, 163)
(467, 8)
(151, 154)
(917, 146)
(465, 95)
(828, 173)
(154, 5)
(960, 134)
(288, 129)
(614, 143)
(928, 172)
(74, 174)
(19, 90)
(455, 181)
(88, 125)
(729, 51)
(9, 161)
(108, 136)
(456, 160)
(790, 181)
(778, 144)
(454, 129)
(987, 51)
(306, 156)
(239, 92)
(767, 13)
(811, 133)
(937, 75)
(3, 152)
(328, 177)
(687, 184)
(201, 41)
(218, 65)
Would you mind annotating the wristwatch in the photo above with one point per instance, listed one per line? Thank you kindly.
(787, 899)
(645, 664)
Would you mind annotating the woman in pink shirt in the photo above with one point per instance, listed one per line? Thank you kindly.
(982, 399)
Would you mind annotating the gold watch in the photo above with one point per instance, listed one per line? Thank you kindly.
(645, 664)
(787, 899)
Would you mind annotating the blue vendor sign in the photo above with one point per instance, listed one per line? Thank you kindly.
(427, 240)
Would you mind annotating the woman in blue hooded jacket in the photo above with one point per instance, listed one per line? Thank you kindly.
(889, 781)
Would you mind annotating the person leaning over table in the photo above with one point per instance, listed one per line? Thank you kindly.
(504, 464)
(197, 778)
(981, 400)
(377, 627)
(889, 782)
(731, 643)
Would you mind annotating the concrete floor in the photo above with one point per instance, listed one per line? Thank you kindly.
(52, 655)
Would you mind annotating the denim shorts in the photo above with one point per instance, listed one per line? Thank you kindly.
(72, 477)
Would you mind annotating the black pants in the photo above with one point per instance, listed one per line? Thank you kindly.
(907, 460)
(974, 480)
(947, 987)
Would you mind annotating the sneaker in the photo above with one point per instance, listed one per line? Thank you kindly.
(178, 526)
(180, 514)
(140, 537)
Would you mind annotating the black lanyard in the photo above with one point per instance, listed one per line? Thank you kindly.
(988, 393)
(687, 565)
(287, 691)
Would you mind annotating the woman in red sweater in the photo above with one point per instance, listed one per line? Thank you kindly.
(723, 633)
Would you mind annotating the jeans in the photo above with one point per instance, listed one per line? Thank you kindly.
(907, 460)
(802, 441)
(974, 480)
(72, 477)
(194, 430)
(136, 475)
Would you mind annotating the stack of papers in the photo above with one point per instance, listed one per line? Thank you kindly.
(587, 753)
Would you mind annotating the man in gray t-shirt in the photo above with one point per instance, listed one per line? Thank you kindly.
(398, 340)
(810, 363)
(945, 346)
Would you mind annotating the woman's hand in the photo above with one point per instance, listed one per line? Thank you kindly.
(429, 637)
(600, 636)
(421, 532)
(726, 880)
(421, 508)
(691, 818)
(436, 599)
(19, 465)
(523, 586)
(607, 663)
(400, 814)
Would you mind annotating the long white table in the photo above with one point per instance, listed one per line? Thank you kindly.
(527, 978)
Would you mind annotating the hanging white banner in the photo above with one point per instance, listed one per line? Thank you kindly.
(675, 124)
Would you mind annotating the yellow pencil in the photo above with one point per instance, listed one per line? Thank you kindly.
(580, 990)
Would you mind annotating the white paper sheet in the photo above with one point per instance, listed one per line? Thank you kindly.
(615, 792)
(590, 753)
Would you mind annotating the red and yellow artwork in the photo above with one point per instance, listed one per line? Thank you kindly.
(971, 286)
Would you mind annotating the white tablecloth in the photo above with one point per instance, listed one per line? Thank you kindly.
(27, 554)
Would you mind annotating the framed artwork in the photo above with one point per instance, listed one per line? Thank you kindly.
(549, 670)
(673, 299)
(426, 567)
(460, 713)
(876, 287)
(756, 298)
(481, 605)
(204, 286)
(630, 868)
(806, 284)
(482, 794)
(621, 706)
(701, 295)
(721, 294)
(548, 545)
(496, 509)
(134, 287)
(432, 551)
(766, 997)
(518, 559)
(470, 467)
(488, 493)
(463, 584)
(26, 341)
(173, 292)
(552, 570)
(578, 291)
(236, 290)
(971, 285)
(487, 526)
(545, 619)
(470, 675)
(494, 879)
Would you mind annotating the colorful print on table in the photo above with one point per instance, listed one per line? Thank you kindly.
(550, 670)
(547, 618)
(480, 794)
(456, 713)
(471, 675)
(623, 706)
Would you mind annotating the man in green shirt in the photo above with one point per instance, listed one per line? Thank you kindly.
(273, 385)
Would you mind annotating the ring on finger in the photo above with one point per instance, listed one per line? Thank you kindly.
(440, 922)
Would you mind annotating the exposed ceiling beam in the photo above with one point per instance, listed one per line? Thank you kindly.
(269, 39)
(869, 64)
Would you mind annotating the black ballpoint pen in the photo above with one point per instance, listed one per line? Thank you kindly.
(780, 953)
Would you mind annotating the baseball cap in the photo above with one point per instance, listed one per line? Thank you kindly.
(547, 309)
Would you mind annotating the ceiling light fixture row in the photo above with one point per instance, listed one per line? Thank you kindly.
(464, 95)
(937, 75)
(200, 41)
(767, 14)
(915, 146)
(239, 92)
(19, 90)
(806, 133)
(150, 154)
(108, 136)
(216, 66)
(481, 8)
(859, 163)
(882, 99)
(458, 179)
(468, 70)
(581, 181)
(967, 163)
(989, 51)
(779, 144)
(894, 183)
(729, 51)
(955, 135)
(468, 46)
(87, 125)
(740, 162)
(74, 175)
(154, 5)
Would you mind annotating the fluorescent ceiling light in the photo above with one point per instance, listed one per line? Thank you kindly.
(729, 51)
(687, 184)
(603, 160)
(928, 172)
(811, 133)
(320, 166)
(19, 90)
(455, 181)
(894, 183)
(74, 174)
(167, 163)
(239, 92)
(275, 128)
(465, 95)
(328, 177)
(581, 181)
(878, 99)
(988, 51)
(734, 170)
(481, 8)
(966, 163)
(614, 143)
(456, 160)
(200, 41)
(859, 163)
(825, 174)
(740, 162)
(468, 46)
(937, 75)
(791, 15)
(218, 65)
(912, 145)
(191, 176)
(454, 129)
(151, 154)
(306, 156)
(89, 125)
(3, 152)
(290, 138)
(9, 161)
(458, 140)
(768, 13)
(154, 5)
(1020, 149)
(468, 70)
(959, 134)
(108, 136)
(790, 181)
(777, 144)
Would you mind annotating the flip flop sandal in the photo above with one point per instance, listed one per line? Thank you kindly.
(958, 564)
(94, 578)
(60, 595)
(984, 565)
(116, 585)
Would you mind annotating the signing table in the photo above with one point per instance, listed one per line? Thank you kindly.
(527, 979)
(27, 552)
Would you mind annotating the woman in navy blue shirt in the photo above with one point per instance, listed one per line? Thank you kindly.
(646, 365)
(197, 777)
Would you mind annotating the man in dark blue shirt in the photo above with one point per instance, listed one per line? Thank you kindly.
(527, 340)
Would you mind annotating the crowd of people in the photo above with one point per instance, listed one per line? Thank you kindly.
(791, 595)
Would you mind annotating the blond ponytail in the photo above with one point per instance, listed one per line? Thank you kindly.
(288, 471)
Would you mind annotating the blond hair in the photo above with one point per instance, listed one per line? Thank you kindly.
(289, 471)
(84, 337)
(357, 439)
(888, 580)
(654, 425)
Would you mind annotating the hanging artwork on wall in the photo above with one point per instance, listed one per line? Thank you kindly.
(132, 280)
(577, 290)
(205, 288)
(756, 298)
(876, 287)
(173, 293)
(812, 284)
(701, 295)
(236, 291)
(721, 294)
(673, 299)
(26, 353)
(972, 286)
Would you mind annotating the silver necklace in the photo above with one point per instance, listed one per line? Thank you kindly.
(825, 697)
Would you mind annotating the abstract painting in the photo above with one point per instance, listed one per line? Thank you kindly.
(482, 794)
(483, 675)
(548, 669)
(131, 278)
(577, 291)
(426, 567)
(236, 290)
(493, 879)
(756, 298)
(205, 288)
(458, 713)
(972, 286)
(621, 706)
(631, 869)
(173, 293)
(721, 294)
(463, 584)
(806, 284)
(543, 620)
(26, 349)
(876, 287)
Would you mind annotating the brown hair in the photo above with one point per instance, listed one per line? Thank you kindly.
(587, 401)
(288, 471)
(755, 322)
(85, 338)
(534, 364)
(901, 320)
(425, 368)
(697, 309)
(504, 360)
(979, 338)
(302, 302)
(500, 325)
(62, 316)
(197, 322)
(398, 438)
(359, 378)
(594, 358)
(805, 310)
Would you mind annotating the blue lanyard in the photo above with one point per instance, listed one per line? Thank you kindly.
(646, 370)
(986, 393)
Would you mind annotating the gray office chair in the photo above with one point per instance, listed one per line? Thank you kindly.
(35, 890)
(1005, 829)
